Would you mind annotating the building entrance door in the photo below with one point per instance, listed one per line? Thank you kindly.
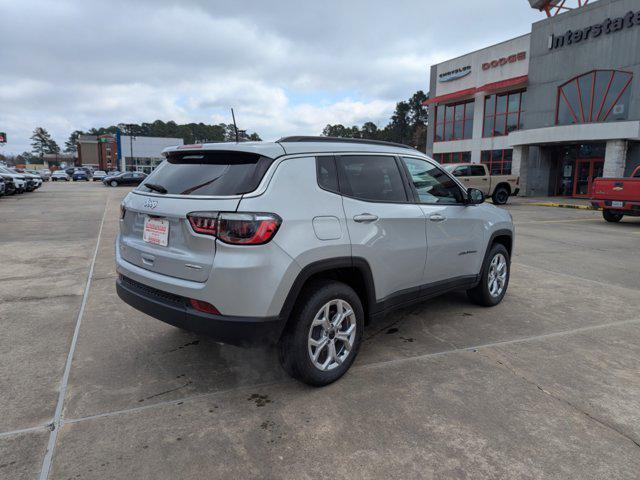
(586, 170)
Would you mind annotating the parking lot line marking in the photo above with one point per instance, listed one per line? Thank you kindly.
(355, 368)
(46, 463)
(597, 282)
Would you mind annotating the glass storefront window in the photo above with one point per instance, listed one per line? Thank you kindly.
(454, 122)
(503, 113)
(598, 96)
(498, 161)
(453, 157)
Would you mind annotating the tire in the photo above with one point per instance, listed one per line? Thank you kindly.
(486, 293)
(113, 183)
(611, 216)
(500, 195)
(295, 349)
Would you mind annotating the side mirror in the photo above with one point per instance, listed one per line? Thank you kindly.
(475, 196)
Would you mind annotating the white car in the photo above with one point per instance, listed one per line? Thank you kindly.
(18, 179)
(45, 173)
(59, 175)
(99, 175)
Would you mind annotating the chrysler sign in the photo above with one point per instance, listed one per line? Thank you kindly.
(454, 74)
(630, 20)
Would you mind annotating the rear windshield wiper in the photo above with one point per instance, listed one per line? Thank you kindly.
(156, 188)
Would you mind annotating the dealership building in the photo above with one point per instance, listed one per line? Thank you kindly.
(559, 106)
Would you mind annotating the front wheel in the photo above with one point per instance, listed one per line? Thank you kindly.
(494, 278)
(500, 196)
(113, 183)
(611, 216)
(324, 334)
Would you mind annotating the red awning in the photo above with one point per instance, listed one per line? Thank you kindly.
(450, 96)
(489, 87)
(510, 82)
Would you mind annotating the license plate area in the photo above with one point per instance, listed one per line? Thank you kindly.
(156, 231)
(617, 204)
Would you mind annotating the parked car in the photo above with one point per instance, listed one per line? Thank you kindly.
(99, 175)
(125, 178)
(33, 181)
(79, 175)
(477, 175)
(2, 187)
(9, 184)
(304, 241)
(617, 197)
(18, 179)
(45, 173)
(60, 175)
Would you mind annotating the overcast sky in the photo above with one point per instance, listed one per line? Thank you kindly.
(288, 67)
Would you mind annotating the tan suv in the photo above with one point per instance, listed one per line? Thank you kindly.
(477, 175)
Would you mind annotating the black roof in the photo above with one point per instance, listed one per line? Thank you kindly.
(309, 139)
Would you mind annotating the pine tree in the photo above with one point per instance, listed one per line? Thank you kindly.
(70, 146)
(41, 142)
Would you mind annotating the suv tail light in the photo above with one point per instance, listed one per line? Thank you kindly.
(236, 228)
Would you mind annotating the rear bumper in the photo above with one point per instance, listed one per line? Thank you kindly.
(628, 207)
(174, 310)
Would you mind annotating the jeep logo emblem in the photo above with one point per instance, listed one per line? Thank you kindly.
(148, 203)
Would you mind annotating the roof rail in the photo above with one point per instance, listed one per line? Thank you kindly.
(302, 138)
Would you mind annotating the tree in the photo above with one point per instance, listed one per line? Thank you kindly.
(408, 125)
(340, 131)
(41, 142)
(71, 145)
(370, 130)
(399, 128)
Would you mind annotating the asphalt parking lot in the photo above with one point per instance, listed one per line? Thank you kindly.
(545, 385)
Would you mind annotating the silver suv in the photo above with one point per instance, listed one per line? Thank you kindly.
(302, 242)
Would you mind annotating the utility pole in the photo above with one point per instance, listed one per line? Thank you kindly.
(131, 139)
(235, 127)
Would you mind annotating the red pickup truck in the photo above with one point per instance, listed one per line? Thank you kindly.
(617, 196)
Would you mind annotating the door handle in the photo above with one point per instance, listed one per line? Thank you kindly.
(436, 217)
(465, 179)
(365, 218)
(485, 179)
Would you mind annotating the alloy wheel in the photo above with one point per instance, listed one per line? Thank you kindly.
(332, 335)
(497, 275)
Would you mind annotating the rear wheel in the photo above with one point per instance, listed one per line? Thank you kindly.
(324, 334)
(494, 278)
(611, 216)
(500, 195)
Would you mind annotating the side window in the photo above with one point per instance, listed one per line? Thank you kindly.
(327, 173)
(461, 172)
(370, 177)
(431, 183)
(127, 175)
(477, 171)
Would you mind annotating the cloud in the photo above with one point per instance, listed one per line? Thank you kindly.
(286, 67)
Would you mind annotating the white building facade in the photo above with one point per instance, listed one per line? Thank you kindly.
(142, 154)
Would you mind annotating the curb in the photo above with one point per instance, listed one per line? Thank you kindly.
(562, 205)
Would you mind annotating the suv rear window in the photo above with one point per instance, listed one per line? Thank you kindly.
(208, 173)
